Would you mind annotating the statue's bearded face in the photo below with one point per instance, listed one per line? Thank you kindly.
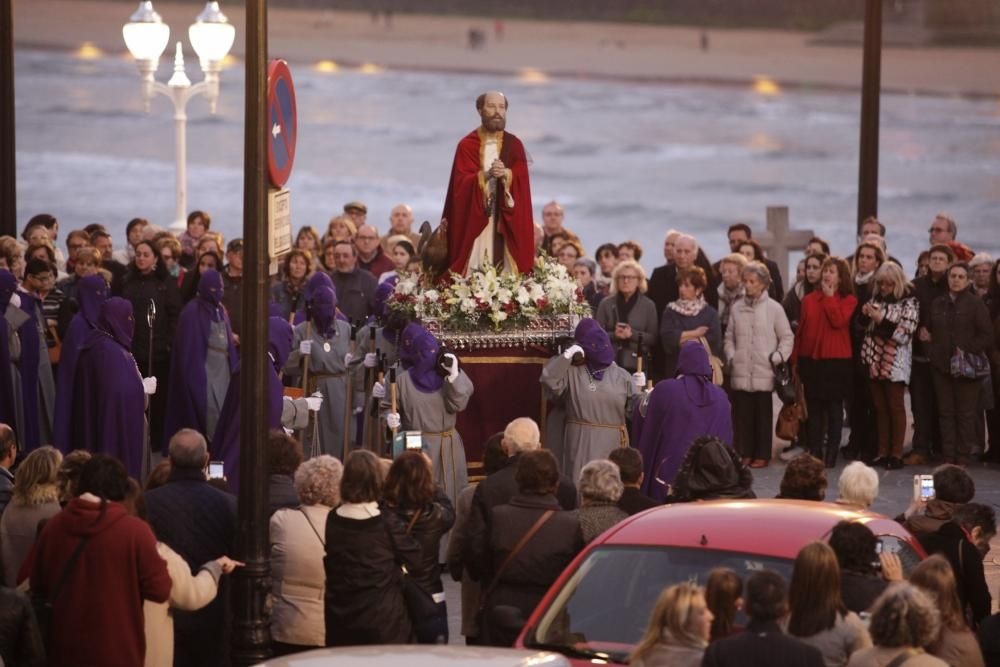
(494, 112)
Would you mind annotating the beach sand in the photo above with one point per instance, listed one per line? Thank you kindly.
(656, 54)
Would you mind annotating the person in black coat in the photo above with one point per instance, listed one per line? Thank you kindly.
(428, 514)
(147, 280)
(965, 541)
(365, 549)
(198, 521)
(520, 436)
(763, 643)
(860, 582)
(629, 462)
(521, 577)
(284, 455)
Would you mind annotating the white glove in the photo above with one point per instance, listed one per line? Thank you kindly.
(378, 390)
(149, 385)
(639, 380)
(348, 358)
(571, 350)
(306, 347)
(452, 364)
(15, 299)
(392, 420)
(314, 402)
(371, 359)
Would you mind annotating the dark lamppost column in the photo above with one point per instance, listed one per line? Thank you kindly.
(871, 82)
(251, 630)
(8, 164)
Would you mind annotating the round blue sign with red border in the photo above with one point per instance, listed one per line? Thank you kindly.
(282, 127)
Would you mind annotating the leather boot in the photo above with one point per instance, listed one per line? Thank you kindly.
(830, 456)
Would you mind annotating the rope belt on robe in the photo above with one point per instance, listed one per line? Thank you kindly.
(450, 435)
(314, 378)
(622, 432)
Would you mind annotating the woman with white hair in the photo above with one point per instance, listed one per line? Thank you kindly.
(628, 315)
(889, 320)
(858, 485)
(600, 488)
(981, 266)
(298, 540)
(904, 622)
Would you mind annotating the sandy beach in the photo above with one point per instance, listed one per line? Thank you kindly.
(655, 54)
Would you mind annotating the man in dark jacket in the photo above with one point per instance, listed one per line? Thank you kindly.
(965, 541)
(355, 286)
(737, 235)
(8, 454)
(197, 521)
(953, 487)
(629, 462)
(520, 436)
(522, 575)
(763, 643)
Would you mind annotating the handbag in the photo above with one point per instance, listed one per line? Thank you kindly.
(969, 365)
(789, 422)
(429, 624)
(718, 377)
(784, 383)
(43, 605)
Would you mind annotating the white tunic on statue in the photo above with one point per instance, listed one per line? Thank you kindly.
(482, 247)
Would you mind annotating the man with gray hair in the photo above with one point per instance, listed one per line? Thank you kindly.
(520, 436)
(198, 521)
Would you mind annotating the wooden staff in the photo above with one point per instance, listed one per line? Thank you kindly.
(374, 435)
(638, 349)
(349, 402)
(392, 395)
(369, 381)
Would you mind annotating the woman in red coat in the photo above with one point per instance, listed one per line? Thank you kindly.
(822, 356)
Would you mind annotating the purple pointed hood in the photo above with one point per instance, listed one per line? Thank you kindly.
(92, 292)
(279, 341)
(116, 320)
(695, 371)
(324, 310)
(316, 280)
(8, 285)
(382, 294)
(598, 351)
(211, 290)
(418, 352)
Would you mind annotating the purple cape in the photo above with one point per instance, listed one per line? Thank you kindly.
(598, 352)
(225, 446)
(418, 352)
(31, 345)
(109, 411)
(679, 411)
(8, 411)
(188, 386)
(92, 291)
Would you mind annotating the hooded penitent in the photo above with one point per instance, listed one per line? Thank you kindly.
(108, 411)
(680, 410)
(8, 410)
(190, 382)
(598, 352)
(92, 292)
(418, 352)
(24, 318)
(324, 310)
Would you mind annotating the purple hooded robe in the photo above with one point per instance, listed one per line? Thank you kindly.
(680, 410)
(8, 404)
(21, 403)
(109, 410)
(187, 398)
(92, 292)
(418, 353)
(316, 280)
(225, 446)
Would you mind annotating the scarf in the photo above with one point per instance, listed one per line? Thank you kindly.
(688, 307)
(625, 305)
(863, 278)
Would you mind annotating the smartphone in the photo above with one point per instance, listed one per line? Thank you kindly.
(216, 470)
(923, 487)
(413, 440)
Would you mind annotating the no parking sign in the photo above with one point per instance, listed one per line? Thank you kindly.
(282, 127)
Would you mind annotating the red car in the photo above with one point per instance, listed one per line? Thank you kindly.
(599, 607)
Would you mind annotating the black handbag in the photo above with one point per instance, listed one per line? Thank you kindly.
(42, 605)
(784, 383)
(429, 622)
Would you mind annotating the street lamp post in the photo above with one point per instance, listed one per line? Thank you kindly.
(211, 36)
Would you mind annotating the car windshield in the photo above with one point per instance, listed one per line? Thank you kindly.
(586, 618)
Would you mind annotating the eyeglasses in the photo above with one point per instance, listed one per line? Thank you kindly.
(936, 230)
(628, 277)
(366, 238)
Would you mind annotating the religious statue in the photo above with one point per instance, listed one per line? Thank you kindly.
(488, 206)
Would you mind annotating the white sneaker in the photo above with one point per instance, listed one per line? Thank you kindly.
(790, 454)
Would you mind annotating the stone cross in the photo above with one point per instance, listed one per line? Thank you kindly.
(779, 239)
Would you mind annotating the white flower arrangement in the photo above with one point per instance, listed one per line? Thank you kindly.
(486, 299)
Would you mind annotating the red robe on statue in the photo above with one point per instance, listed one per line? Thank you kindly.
(465, 204)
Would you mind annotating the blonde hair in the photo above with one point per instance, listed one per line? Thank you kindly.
(629, 264)
(891, 271)
(670, 618)
(736, 258)
(37, 476)
(352, 229)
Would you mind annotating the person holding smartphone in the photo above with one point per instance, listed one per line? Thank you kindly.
(628, 314)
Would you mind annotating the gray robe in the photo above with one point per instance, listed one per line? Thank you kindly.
(217, 374)
(595, 420)
(363, 395)
(328, 375)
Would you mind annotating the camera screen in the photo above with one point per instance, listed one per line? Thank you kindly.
(926, 487)
(413, 440)
(216, 470)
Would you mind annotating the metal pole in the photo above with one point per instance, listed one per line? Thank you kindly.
(8, 162)
(251, 624)
(871, 75)
(180, 122)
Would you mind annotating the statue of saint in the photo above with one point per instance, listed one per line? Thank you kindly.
(488, 206)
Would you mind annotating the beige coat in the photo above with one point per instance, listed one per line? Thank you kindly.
(958, 649)
(188, 592)
(880, 657)
(298, 580)
(754, 333)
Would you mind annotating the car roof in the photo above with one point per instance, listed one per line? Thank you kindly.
(771, 527)
(420, 656)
